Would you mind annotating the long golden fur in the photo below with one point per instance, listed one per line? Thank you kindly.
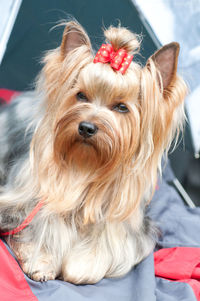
(95, 190)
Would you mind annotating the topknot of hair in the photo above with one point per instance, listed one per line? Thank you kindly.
(121, 37)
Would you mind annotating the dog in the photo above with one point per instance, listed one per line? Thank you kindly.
(80, 156)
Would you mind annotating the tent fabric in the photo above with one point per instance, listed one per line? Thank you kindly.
(34, 33)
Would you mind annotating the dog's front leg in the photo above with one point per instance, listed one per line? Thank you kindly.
(87, 262)
(37, 264)
(107, 251)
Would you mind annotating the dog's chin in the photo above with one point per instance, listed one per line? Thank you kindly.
(84, 154)
(84, 144)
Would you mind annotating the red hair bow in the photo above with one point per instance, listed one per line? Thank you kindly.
(119, 60)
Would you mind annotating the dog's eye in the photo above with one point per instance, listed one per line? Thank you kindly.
(121, 108)
(81, 96)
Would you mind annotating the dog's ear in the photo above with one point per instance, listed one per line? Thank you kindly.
(166, 60)
(74, 36)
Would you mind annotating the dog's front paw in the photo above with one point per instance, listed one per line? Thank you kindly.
(71, 273)
(41, 270)
(42, 276)
(85, 268)
(42, 267)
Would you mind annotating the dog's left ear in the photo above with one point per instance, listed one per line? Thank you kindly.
(166, 60)
(74, 36)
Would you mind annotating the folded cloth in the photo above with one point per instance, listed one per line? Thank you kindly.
(13, 285)
(181, 264)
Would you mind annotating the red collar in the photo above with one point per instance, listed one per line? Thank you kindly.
(26, 222)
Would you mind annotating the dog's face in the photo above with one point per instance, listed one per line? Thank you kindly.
(99, 123)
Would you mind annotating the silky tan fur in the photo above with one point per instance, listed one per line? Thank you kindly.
(95, 191)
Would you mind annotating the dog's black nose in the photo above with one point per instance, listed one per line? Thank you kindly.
(87, 129)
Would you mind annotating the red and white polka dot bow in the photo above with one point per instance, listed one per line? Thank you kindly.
(119, 60)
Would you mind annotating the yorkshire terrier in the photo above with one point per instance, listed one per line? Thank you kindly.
(80, 156)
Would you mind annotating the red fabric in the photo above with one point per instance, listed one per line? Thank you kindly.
(119, 60)
(7, 95)
(13, 285)
(180, 264)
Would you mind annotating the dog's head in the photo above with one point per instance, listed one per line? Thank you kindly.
(100, 115)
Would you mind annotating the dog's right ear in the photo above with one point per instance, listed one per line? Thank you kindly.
(74, 36)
